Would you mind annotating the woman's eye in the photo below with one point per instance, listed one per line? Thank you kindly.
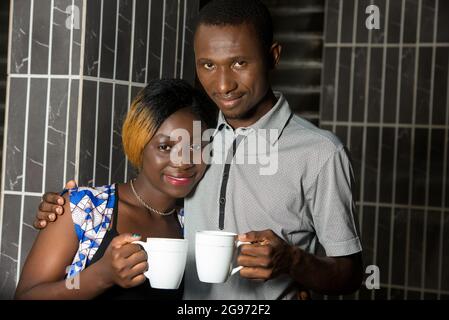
(164, 147)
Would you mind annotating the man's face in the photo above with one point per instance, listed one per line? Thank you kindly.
(232, 66)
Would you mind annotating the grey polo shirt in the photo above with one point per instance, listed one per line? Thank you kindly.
(296, 182)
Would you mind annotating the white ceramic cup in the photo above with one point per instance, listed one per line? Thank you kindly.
(214, 254)
(166, 261)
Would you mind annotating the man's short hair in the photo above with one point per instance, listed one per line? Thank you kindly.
(237, 12)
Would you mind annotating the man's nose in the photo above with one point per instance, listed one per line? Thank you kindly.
(226, 82)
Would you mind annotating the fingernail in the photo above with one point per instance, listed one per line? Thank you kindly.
(52, 217)
(59, 210)
(136, 235)
(60, 201)
(42, 223)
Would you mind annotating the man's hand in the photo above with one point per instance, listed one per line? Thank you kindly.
(51, 206)
(266, 257)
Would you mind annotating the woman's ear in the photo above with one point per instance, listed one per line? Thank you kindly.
(275, 54)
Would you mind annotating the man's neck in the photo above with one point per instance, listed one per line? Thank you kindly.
(264, 106)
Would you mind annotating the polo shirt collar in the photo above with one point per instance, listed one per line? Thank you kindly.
(276, 118)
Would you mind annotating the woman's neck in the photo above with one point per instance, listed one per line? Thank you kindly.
(152, 196)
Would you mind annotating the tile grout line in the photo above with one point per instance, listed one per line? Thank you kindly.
(395, 152)
(162, 39)
(97, 98)
(111, 145)
(183, 39)
(337, 68)
(177, 41)
(148, 40)
(25, 135)
(429, 141)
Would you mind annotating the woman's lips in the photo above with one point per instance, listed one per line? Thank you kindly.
(179, 181)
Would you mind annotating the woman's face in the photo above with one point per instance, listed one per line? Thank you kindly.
(159, 161)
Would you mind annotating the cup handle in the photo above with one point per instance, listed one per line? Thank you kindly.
(237, 269)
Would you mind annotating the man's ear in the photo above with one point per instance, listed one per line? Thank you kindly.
(275, 54)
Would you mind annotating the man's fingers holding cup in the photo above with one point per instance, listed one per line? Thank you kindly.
(256, 273)
(250, 261)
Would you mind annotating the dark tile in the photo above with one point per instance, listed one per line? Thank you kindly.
(140, 41)
(371, 164)
(104, 134)
(365, 294)
(443, 21)
(430, 296)
(76, 40)
(415, 249)
(11, 226)
(420, 167)
(87, 142)
(386, 169)
(407, 83)
(436, 167)
(423, 86)
(154, 58)
(397, 294)
(125, 25)
(368, 221)
(378, 35)
(169, 43)
(444, 297)
(15, 134)
(383, 242)
(399, 247)
(118, 157)
(375, 85)
(36, 135)
(20, 36)
(40, 37)
(332, 13)
(427, 20)
(328, 89)
(362, 16)
(403, 165)
(8, 272)
(342, 133)
(188, 72)
(347, 23)
(92, 34)
(109, 30)
(391, 85)
(344, 81)
(432, 261)
(60, 50)
(413, 295)
(381, 294)
(56, 135)
(394, 21)
(72, 131)
(356, 154)
(28, 232)
(440, 86)
(181, 34)
(359, 80)
(445, 262)
(411, 17)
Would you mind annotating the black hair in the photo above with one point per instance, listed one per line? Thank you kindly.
(237, 12)
(167, 96)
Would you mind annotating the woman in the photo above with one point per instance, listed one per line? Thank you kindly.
(96, 239)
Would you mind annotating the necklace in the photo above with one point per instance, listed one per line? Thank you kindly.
(146, 205)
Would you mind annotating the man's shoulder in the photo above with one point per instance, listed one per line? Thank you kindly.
(307, 134)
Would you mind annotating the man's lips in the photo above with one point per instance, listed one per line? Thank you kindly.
(180, 180)
(229, 101)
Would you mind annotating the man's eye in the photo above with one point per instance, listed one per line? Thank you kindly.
(240, 64)
(164, 147)
(209, 66)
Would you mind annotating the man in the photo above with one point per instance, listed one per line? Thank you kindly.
(285, 214)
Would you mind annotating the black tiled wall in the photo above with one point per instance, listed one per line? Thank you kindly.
(385, 95)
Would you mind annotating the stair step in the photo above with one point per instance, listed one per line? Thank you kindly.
(303, 102)
(297, 20)
(299, 64)
(296, 77)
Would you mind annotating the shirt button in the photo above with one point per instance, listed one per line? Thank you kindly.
(222, 200)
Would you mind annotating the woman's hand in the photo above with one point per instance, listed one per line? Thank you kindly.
(123, 262)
